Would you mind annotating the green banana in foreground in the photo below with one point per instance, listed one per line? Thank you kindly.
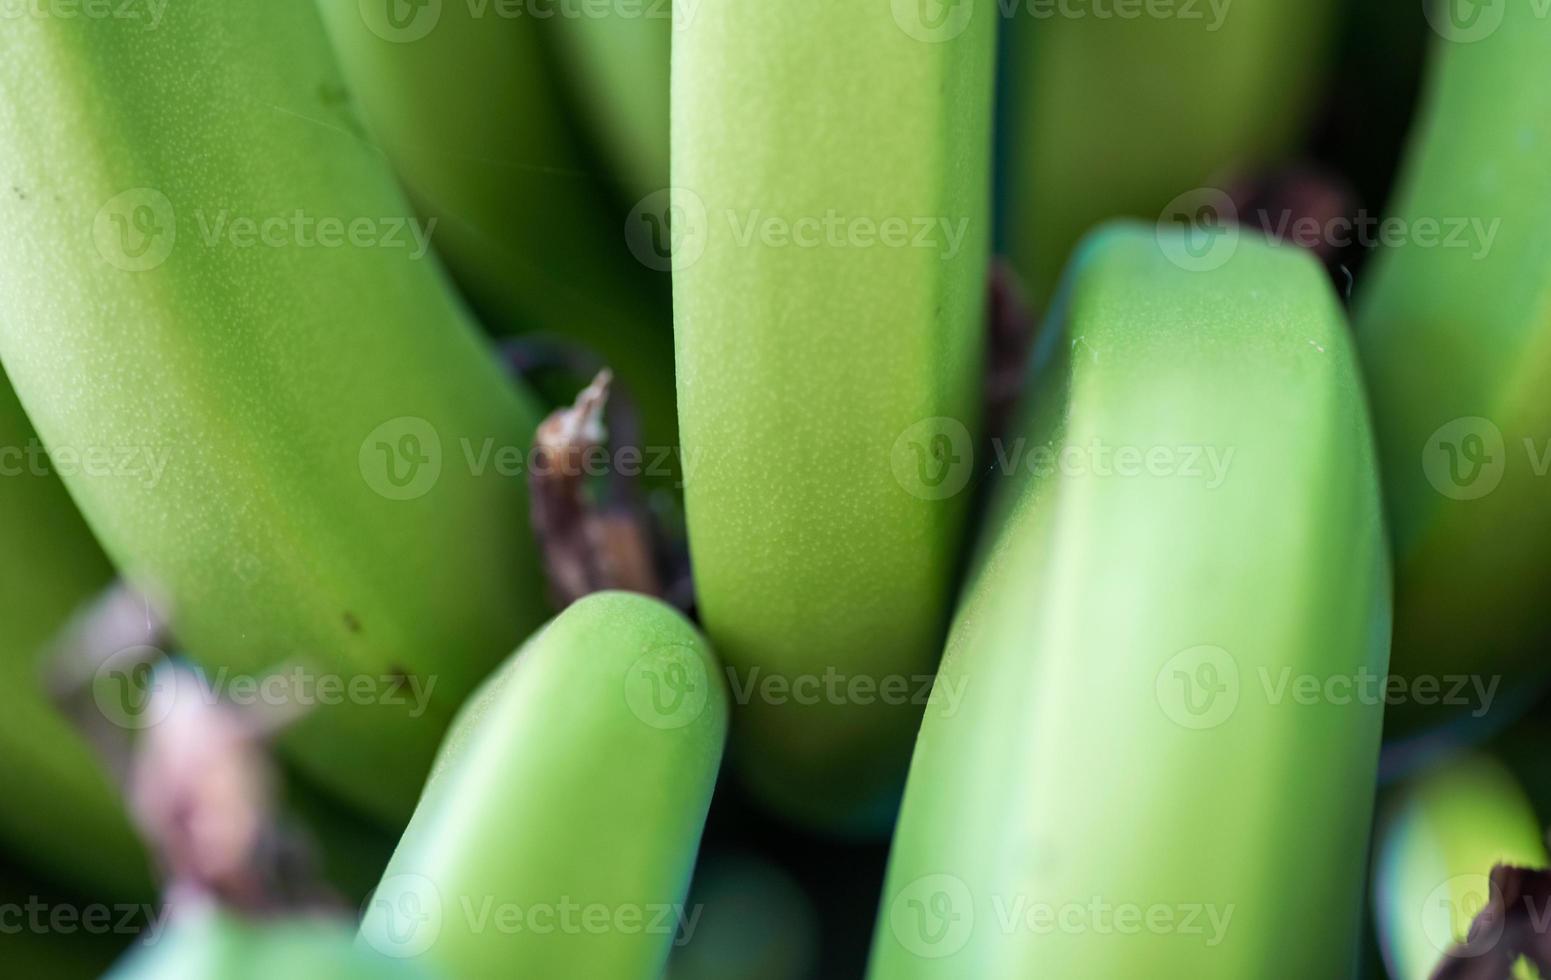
(208, 942)
(463, 99)
(1455, 328)
(1157, 665)
(1217, 89)
(1439, 837)
(828, 302)
(558, 831)
(61, 812)
(285, 420)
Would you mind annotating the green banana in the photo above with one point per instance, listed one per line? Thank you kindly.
(558, 830)
(828, 295)
(619, 59)
(1440, 836)
(462, 98)
(286, 418)
(61, 813)
(208, 942)
(1199, 92)
(1158, 666)
(1455, 329)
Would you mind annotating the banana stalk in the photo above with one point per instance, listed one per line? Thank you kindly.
(283, 420)
(1454, 324)
(61, 814)
(1201, 93)
(558, 831)
(1150, 746)
(1438, 840)
(464, 100)
(829, 287)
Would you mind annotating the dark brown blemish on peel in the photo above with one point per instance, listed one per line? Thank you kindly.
(351, 623)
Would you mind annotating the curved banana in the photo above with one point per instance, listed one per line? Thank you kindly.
(557, 833)
(284, 420)
(61, 813)
(210, 942)
(619, 61)
(829, 302)
(1156, 727)
(1439, 838)
(1454, 324)
(1200, 92)
(463, 98)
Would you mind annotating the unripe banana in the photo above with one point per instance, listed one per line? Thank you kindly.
(61, 813)
(282, 433)
(558, 831)
(462, 97)
(828, 309)
(1455, 328)
(208, 942)
(1124, 771)
(619, 61)
(1200, 91)
(1441, 834)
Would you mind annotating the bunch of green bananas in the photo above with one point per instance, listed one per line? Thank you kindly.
(1117, 678)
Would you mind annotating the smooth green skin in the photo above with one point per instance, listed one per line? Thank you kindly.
(472, 116)
(1092, 96)
(208, 943)
(803, 370)
(563, 784)
(1439, 838)
(61, 813)
(619, 67)
(260, 374)
(1065, 773)
(1449, 333)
